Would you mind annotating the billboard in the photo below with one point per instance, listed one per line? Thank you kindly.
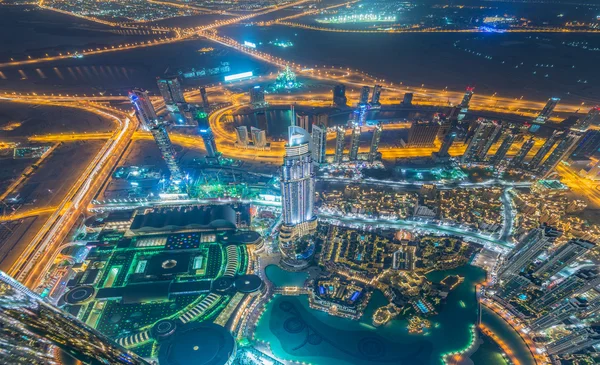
(239, 76)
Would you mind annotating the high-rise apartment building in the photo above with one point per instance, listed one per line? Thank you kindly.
(519, 158)
(422, 133)
(484, 136)
(35, 332)
(364, 95)
(339, 95)
(376, 95)
(354, 143)
(545, 114)
(373, 150)
(500, 154)
(143, 108)
(319, 143)
(340, 135)
(562, 257)
(559, 153)
(546, 147)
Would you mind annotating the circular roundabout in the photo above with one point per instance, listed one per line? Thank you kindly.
(198, 344)
(79, 295)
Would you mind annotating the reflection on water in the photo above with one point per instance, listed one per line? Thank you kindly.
(304, 334)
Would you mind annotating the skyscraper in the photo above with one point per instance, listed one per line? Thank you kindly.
(503, 149)
(562, 257)
(143, 107)
(339, 95)
(34, 332)
(568, 308)
(515, 285)
(446, 144)
(303, 121)
(375, 142)
(422, 133)
(527, 250)
(545, 114)
(171, 90)
(560, 152)
(205, 103)
(257, 97)
(577, 340)
(482, 140)
(340, 135)
(354, 143)
(519, 158)
(241, 136)
(259, 137)
(587, 146)
(206, 132)
(161, 136)
(541, 153)
(319, 142)
(582, 280)
(364, 95)
(376, 94)
(591, 118)
(297, 186)
(407, 99)
(466, 100)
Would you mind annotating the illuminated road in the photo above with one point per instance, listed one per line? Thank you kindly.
(579, 185)
(29, 268)
(490, 242)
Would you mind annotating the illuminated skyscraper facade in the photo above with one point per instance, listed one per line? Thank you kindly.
(422, 133)
(546, 147)
(297, 186)
(161, 136)
(464, 104)
(559, 153)
(519, 158)
(545, 114)
(577, 340)
(582, 280)
(205, 103)
(375, 142)
(485, 133)
(562, 257)
(241, 135)
(257, 97)
(143, 108)
(364, 95)
(376, 95)
(590, 119)
(446, 144)
(36, 333)
(171, 90)
(206, 133)
(527, 250)
(568, 308)
(500, 154)
(340, 135)
(319, 142)
(339, 95)
(354, 143)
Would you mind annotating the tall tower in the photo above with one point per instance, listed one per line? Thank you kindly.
(241, 135)
(545, 114)
(422, 133)
(354, 143)
(206, 133)
(582, 280)
(517, 161)
(171, 90)
(591, 118)
(257, 97)
(143, 108)
(259, 137)
(303, 121)
(541, 153)
(446, 144)
(339, 95)
(577, 340)
(563, 257)
(527, 250)
(297, 186)
(375, 142)
(464, 104)
(340, 135)
(376, 95)
(35, 332)
(161, 136)
(319, 142)
(567, 309)
(559, 153)
(205, 103)
(503, 149)
(364, 95)
(482, 140)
